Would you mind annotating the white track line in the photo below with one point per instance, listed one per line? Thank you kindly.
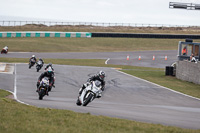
(160, 86)
(106, 62)
(2, 67)
(15, 88)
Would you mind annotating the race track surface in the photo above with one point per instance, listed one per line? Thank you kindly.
(124, 97)
(117, 58)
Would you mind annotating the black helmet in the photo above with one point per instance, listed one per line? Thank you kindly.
(101, 75)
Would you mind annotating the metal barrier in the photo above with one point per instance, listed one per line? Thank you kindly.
(53, 23)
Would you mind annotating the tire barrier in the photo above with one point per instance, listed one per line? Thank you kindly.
(130, 35)
(45, 34)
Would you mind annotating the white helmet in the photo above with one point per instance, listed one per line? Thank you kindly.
(101, 75)
(33, 55)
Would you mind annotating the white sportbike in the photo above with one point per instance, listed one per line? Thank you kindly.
(92, 91)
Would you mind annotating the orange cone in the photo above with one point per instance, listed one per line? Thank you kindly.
(153, 58)
(139, 58)
(127, 58)
(165, 57)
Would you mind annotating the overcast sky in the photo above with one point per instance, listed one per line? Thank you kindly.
(110, 11)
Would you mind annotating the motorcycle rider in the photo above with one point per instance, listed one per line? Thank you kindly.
(50, 75)
(50, 66)
(40, 59)
(5, 50)
(30, 61)
(100, 76)
(33, 57)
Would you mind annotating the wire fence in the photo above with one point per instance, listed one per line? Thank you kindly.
(52, 23)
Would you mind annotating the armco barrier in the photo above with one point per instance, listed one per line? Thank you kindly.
(45, 34)
(131, 35)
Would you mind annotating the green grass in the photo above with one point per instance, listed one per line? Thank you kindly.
(19, 118)
(88, 44)
(155, 75)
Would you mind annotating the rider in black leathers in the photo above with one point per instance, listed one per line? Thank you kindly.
(33, 57)
(41, 60)
(50, 75)
(100, 76)
(50, 66)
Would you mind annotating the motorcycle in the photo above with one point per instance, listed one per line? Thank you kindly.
(43, 87)
(4, 51)
(39, 65)
(89, 93)
(31, 63)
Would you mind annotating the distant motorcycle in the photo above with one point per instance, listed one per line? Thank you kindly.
(4, 51)
(39, 65)
(43, 87)
(89, 93)
(31, 63)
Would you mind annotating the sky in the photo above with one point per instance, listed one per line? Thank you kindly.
(108, 11)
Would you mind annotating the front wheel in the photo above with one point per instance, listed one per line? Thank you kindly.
(78, 102)
(87, 100)
(41, 94)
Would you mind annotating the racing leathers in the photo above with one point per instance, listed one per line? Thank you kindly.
(33, 59)
(48, 74)
(93, 78)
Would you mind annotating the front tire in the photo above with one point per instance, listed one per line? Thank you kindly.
(85, 103)
(41, 94)
(78, 103)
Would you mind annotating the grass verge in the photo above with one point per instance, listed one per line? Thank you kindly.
(88, 44)
(18, 118)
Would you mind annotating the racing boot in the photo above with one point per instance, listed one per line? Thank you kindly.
(81, 89)
(99, 96)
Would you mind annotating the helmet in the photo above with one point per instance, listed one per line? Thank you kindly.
(101, 75)
(33, 55)
(40, 59)
(49, 70)
(50, 64)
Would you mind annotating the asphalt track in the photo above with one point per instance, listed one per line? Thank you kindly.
(125, 96)
(118, 58)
